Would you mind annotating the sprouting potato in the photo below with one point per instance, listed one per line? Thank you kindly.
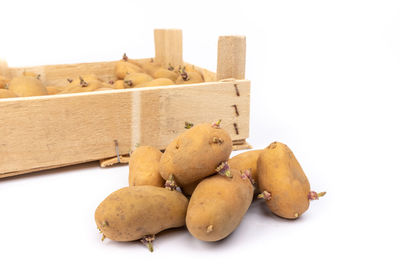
(196, 153)
(282, 181)
(246, 161)
(134, 79)
(164, 73)
(143, 167)
(27, 86)
(218, 205)
(140, 212)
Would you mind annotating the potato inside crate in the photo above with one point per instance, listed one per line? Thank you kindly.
(45, 132)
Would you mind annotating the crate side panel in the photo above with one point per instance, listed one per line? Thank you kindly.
(46, 131)
(41, 132)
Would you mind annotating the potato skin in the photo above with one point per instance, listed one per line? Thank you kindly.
(27, 86)
(4, 93)
(246, 161)
(193, 77)
(218, 205)
(3, 82)
(144, 164)
(131, 80)
(132, 212)
(189, 188)
(156, 82)
(280, 174)
(164, 73)
(193, 154)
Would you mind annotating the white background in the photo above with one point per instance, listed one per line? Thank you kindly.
(325, 80)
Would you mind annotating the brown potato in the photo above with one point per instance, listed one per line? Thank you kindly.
(189, 77)
(283, 184)
(164, 73)
(53, 90)
(4, 93)
(246, 161)
(196, 153)
(118, 84)
(132, 213)
(156, 82)
(3, 82)
(189, 188)
(150, 67)
(143, 167)
(122, 68)
(217, 206)
(30, 74)
(27, 86)
(131, 80)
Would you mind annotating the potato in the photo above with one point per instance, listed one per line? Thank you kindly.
(150, 67)
(189, 77)
(246, 161)
(132, 213)
(196, 153)
(84, 83)
(164, 73)
(285, 187)
(189, 188)
(3, 82)
(30, 74)
(27, 86)
(143, 167)
(4, 93)
(118, 84)
(122, 68)
(217, 206)
(131, 80)
(156, 82)
(53, 90)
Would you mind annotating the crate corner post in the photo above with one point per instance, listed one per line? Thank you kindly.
(231, 57)
(168, 47)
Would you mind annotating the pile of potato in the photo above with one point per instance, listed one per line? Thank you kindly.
(128, 74)
(194, 183)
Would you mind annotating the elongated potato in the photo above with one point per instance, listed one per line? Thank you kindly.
(164, 73)
(150, 67)
(189, 77)
(27, 86)
(132, 213)
(144, 164)
(6, 93)
(282, 181)
(246, 161)
(122, 68)
(195, 154)
(217, 206)
(131, 80)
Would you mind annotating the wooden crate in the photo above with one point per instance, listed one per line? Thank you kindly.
(44, 132)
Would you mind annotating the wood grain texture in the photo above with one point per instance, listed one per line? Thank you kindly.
(231, 57)
(168, 47)
(50, 131)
